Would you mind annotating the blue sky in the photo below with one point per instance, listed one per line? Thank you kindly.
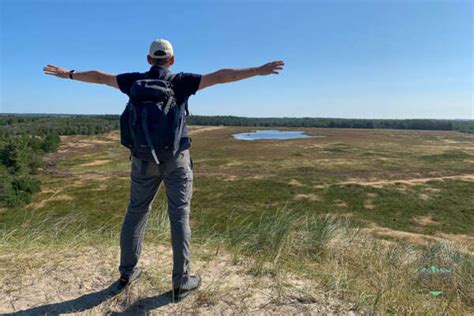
(352, 59)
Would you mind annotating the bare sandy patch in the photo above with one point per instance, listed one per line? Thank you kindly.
(309, 197)
(369, 204)
(321, 186)
(91, 176)
(82, 279)
(424, 196)
(425, 220)
(340, 203)
(450, 141)
(313, 146)
(416, 181)
(101, 141)
(95, 163)
(428, 193)
(402, 189)
(49, 191)
(79, 143)
(79, 179)
(334, 162)
(431, 190)
(295, 183)
(234, 163)
(231, 178)
(66, 147)
(54, 197)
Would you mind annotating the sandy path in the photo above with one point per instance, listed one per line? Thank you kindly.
(464, 243)
(193, 130)
(413, 181)
(78, 280)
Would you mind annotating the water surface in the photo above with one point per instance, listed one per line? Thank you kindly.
(272, 134)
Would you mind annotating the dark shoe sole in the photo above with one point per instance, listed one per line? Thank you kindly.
(121, 285)
(178, 294)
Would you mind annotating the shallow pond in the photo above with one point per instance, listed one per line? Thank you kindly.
(272, 134)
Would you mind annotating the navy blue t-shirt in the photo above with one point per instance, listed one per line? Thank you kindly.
(184, 85)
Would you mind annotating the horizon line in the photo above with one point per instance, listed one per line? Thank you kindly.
(254, 117)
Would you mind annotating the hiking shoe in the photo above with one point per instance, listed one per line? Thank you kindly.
(125, 282)
(193, 283)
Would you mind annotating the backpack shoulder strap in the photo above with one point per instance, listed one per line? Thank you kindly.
(167, 76)
(146, 132)
(132, 115)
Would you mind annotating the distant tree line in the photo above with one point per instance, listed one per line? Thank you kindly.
(24, 139)
(98, 124)
(415, 124)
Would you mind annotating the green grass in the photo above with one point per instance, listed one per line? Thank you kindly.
(451, 206)
(449, 155)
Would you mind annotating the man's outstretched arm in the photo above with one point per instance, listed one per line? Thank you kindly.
(230, 75)
(92, 76)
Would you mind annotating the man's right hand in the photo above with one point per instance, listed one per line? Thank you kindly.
(56, 71)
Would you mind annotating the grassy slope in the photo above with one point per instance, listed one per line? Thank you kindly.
(265, 198)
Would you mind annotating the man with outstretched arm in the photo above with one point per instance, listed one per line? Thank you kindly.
(177, 173)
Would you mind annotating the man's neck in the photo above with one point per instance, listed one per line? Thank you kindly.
(155, 70)
(161, 67)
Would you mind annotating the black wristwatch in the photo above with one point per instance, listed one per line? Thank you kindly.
(70, 74)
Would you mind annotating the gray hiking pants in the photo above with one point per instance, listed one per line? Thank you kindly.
(146, 178)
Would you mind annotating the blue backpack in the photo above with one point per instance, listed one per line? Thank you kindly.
(152, 122)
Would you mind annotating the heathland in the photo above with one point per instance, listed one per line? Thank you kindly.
(361, 220)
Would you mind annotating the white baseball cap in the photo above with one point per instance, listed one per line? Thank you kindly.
(161, 49)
